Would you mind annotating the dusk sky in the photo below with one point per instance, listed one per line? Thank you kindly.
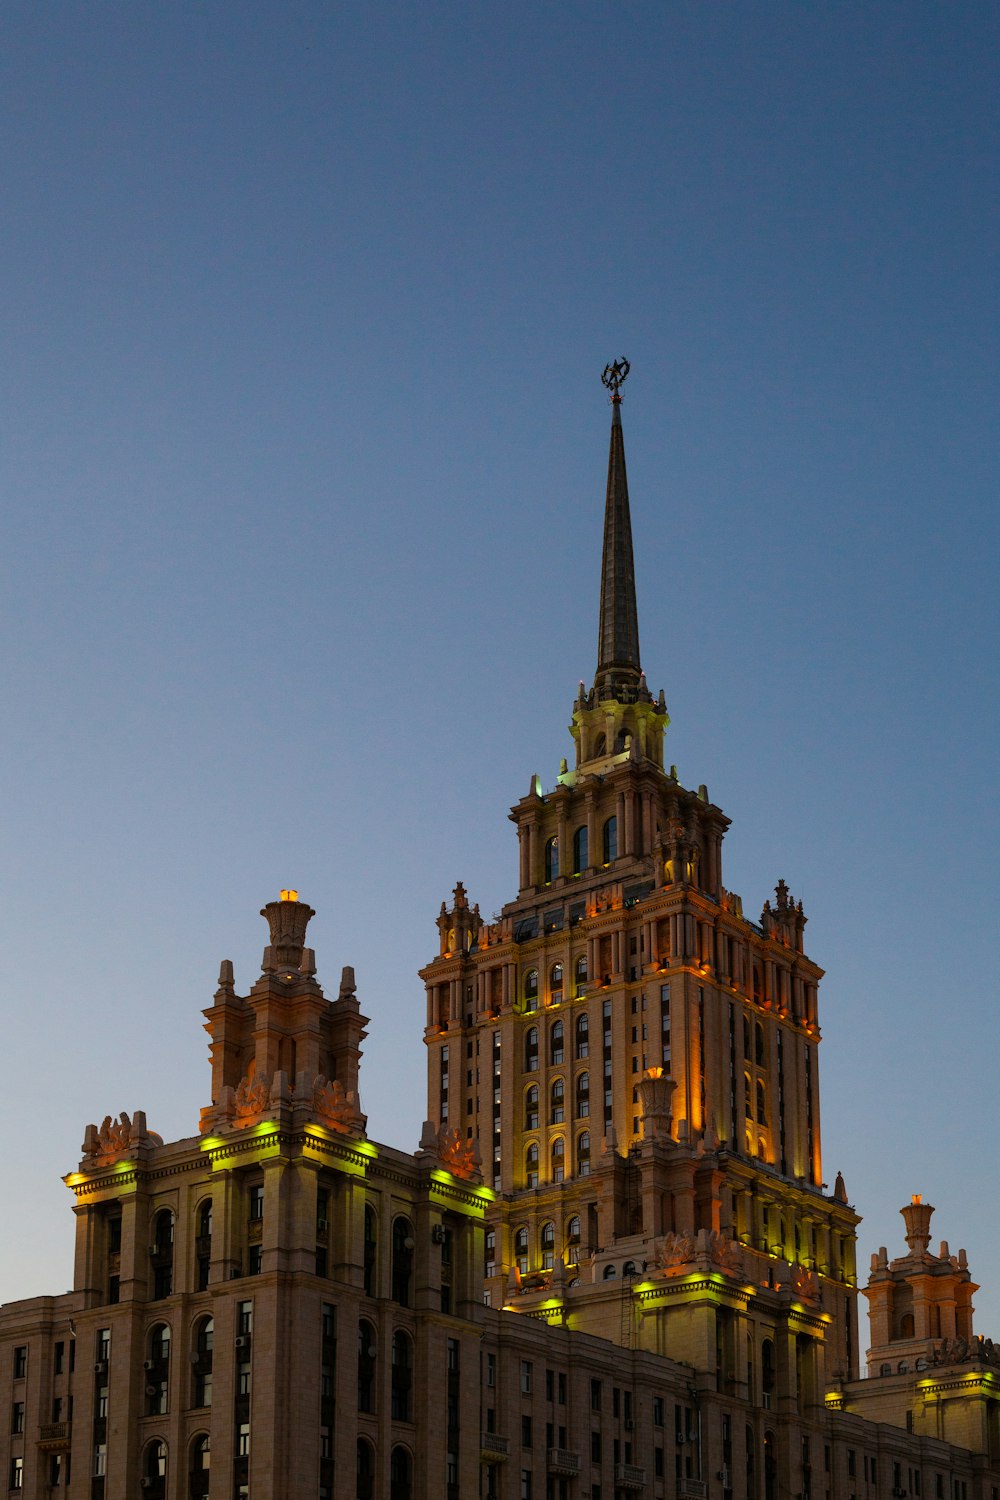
(302, 458)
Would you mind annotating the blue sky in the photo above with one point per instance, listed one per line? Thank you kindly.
(302, 460)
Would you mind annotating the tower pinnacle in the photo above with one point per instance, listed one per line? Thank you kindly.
(618, 668)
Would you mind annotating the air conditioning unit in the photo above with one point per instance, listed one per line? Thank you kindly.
(243, 1342)
(146, 1483)
(151, 1390)
(322, 1225)
(724, 1475)
(101, 1367)
(437, 1234)
(147, 1364)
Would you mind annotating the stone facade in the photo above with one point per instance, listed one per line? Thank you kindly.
(611, 1269)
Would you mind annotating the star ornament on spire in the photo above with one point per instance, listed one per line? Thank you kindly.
(614, 377)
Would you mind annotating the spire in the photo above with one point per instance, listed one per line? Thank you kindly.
(618, 665)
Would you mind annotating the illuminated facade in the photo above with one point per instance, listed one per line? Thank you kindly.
(611, 1270)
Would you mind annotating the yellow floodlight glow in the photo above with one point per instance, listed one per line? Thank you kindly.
(289, 895)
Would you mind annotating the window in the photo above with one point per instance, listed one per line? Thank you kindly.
(573, 1240)
(610, 840)
(531, 1108)
(583, 1154)
(526, 1372)
(367, 1352)
(17, 1417)
(17, 1473)
(371, 1241)
(204, 1338)
(551, 860)
(531, 1165)
(402, 1377)
(558, 1159)
(582, 1096)
(402, 1261)
(400, 1475)
(531, 989)
(365, 1471)
(548, 1240)
(521, 1250)
(20, 1361)
(199, 1466)
(580, 856)
(156, 1370)
(531, 1050)
(556, 987)
(557, 1102)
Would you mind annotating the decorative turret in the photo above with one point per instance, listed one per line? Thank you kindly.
(288, 919)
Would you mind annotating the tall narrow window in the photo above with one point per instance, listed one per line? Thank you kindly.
(521, 1250)
(367, 1353)
(556, 1043)
(557, 1102)
(548, 1239)
(531, 1050)
(583, 1154)
(400, 1475)
(582, 1096)
(551, 860)
(610, 840)
(580, 859)
(556, 984)
(582, 1036)
(402, 1376)
(203, 1242)
(580, 975)
(558, 1159)
(162, 1253)
(371, 1245)
(402, 1261)
(531, 1108)
(531, 1165)
(531, 990)
(199, 1468)
(202, 1357)
(156, 1370)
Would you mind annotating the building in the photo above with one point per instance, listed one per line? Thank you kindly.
(612, 1268)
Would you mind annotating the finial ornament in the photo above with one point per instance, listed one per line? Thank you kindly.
(614, 377)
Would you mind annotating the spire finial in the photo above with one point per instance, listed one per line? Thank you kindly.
(618, 666)
(614, 378)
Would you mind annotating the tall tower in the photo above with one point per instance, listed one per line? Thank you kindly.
(637, 1059)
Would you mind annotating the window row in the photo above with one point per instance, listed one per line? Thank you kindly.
(557, 1159)
(581, 850)
(557, 1102)
(557, 1043)
(545, 1247)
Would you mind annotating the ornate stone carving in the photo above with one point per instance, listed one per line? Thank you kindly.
(805, 1284)
(252, 1096)
(117, 1137)
(332, 1106)
(725, 1253)
(675, 1250)
(456, 1154)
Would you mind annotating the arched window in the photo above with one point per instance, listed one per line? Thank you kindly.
(551, 860)
(402, 1376)
(767, 1371)
(531, 1108)
(531, 990)
(203, 1242)
(199, 1466)
(580, 975)
(557, 1102)
(770, 1467)
(556, 1045)
(365, 1471)
(582, 1095)
(751, 1451)
(400, 1475)
(761, 1104)
(371, 1249)
(582, 1036)
(758, 984)
(162, 1257)
(628, 1269)
(610, 841)
(556, 984)
(580, 860)
(202, 1356)
(531, 1165)
(521, 1250)
(573, 1240)
(531, 1050)
(548, 1243)
(157, 1370)
(490, 1255)
(610, 1272)
(583, 1154)
(600, 746)
(758, 1032)
(402, 1261)
(747, 1097)
(558, 1159)
(154, 1469)
(367, 1354)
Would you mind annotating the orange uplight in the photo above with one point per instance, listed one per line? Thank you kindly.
(289, 895)
(654, 1072)
(917, 1198)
